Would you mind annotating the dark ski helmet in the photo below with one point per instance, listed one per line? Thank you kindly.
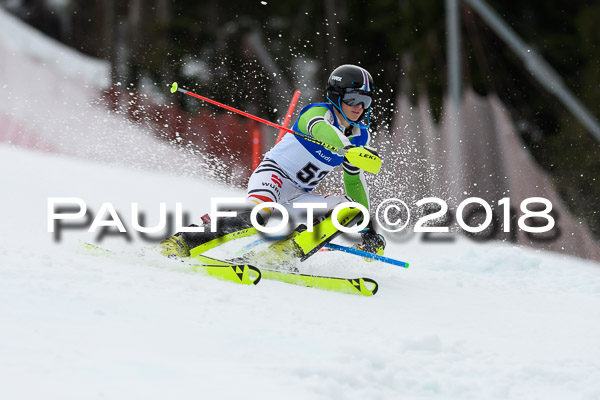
(352, 85)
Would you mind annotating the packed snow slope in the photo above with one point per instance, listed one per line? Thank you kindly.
(465, 321)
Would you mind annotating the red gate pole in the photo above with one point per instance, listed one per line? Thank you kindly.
(289, 114)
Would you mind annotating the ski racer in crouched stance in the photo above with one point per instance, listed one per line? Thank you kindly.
(293, 168)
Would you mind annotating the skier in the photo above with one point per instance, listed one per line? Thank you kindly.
(294, 167)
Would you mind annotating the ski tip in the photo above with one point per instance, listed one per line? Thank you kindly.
(174, 87)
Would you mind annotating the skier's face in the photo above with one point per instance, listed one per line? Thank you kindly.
(353, 113)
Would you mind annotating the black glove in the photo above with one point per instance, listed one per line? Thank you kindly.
(373, 242)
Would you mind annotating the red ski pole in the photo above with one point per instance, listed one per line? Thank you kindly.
(176, 88)
(358, 156)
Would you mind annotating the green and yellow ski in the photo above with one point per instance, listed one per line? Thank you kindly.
(358, 286)
(247, 274)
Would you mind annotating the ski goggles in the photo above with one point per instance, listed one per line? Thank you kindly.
(354, 99)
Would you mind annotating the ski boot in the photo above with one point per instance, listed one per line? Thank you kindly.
(174, 246)
(186, 244)
(301, 244)
(281, 255)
